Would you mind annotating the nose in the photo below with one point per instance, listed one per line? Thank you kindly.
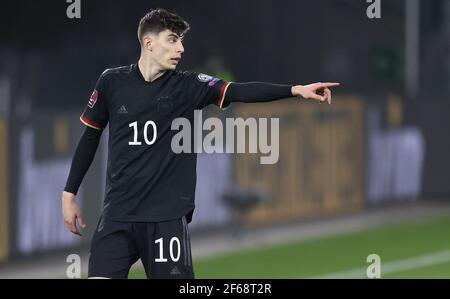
(180, 47)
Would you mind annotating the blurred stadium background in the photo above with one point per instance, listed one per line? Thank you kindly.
(368, 175)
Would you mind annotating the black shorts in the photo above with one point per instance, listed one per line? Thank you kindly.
(163, 247)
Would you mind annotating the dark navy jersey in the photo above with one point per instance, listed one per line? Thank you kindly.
(146, 181)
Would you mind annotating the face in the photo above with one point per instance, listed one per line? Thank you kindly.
(164, 49)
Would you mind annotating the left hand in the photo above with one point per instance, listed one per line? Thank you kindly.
(316, 91)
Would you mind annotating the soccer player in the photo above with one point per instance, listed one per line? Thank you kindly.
(149, 196)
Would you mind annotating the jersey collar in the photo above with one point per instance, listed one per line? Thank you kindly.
(137, 73)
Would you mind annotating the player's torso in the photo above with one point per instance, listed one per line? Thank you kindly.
(146, 177)
(140, 129)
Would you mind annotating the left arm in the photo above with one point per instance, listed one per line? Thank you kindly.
(265, 92)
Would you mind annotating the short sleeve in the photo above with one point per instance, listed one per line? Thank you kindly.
(205, 90)
(96, 115)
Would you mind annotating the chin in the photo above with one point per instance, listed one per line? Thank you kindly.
(170, 66)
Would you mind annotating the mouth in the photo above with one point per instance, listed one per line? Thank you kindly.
(175, 60)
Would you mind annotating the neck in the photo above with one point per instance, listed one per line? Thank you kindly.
(149, 70)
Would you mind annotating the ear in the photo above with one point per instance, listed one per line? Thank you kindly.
(147, 42)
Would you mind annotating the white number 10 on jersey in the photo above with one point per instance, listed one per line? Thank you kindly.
(135, 130)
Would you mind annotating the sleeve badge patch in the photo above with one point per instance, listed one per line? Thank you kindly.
(204, 78)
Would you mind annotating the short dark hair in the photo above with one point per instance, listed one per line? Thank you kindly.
(159, 19)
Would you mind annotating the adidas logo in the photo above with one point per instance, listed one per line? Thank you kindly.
(175, 271)
(122, 110)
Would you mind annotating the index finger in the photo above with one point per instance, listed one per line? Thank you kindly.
(330, 84)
